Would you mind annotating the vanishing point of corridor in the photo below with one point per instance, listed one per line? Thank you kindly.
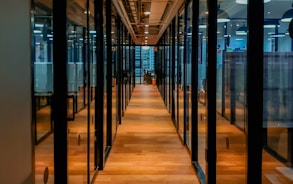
(147, 148)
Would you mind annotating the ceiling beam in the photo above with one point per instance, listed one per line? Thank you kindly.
(124, 17)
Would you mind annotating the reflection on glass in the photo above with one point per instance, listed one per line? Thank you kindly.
(176, 77)
(115, 119)
(230, 95)
(167, 72)
(78, 60)
(202, 90)
(42, 61)
(43, 76)
(92, 166)
(180, 73)
(277, 95)
(188, 75)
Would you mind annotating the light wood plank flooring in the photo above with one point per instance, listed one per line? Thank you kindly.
(147, 148)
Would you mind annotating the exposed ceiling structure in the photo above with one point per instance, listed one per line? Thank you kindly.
(144, 19)
(147, 20)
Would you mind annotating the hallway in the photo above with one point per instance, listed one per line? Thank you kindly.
(147, 148)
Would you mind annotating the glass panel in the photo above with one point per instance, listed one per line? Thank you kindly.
(115, 119)
(180, 68)
(202, 92)
(105, 130)
(167, 72)
(42, 62)
(43, 73)
(124, 35)
(138, 79)
(230, 93)
(92, 81)
(78, 61)
(277, 95)
(188, 74)
(176, 77)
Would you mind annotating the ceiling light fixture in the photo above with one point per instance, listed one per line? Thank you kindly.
(272, 23)
(147, 9)
(245, 1)
(222, 16)
(288, 15)
(242, 31)
(146, 22)
(146, 30)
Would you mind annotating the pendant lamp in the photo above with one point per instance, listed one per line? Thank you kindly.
(288, 15)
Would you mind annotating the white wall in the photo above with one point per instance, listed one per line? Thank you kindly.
(15, 93)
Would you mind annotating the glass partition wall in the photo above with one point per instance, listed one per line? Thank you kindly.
(188, 74)
(230, 81)
(230, 92)
(115, 119)
(91, 128)
(277, 92)
(202, 90)
(180, 73)
(42, 65)
(43, 73)
(175, 74)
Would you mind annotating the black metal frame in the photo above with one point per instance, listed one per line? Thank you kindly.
(60, 91)
(254, 90)
(211, 92)
(99, 101)
(109, 75)
(119, 66)
(173, 82)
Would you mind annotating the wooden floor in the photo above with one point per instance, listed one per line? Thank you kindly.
(147, 148)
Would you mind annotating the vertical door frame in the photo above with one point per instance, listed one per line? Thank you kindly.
(109, 75)
(254, 90)
(99, 100)
(60, 92)
(211, 93)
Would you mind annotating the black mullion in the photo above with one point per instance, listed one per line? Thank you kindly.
(194, 81)
(170, 68)
(184, 75)
(178, 71)
(109, 72)
(211, 90)
(99, 99)
(254, 90)
(88, 87)
(60, 92)
(122, 68)
(118, 23)
(164, 68)
(173, 69)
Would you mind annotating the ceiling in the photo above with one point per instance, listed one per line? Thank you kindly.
(132, 13)
(147, 28)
